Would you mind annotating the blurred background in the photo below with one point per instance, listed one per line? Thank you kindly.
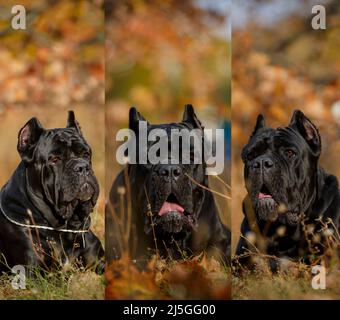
(161, 55)
(55, 65)
(280, 63)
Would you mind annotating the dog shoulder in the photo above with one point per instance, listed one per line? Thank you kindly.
(328, 198)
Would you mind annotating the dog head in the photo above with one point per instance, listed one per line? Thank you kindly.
(169, 188)
(58, 167)
(280, 169)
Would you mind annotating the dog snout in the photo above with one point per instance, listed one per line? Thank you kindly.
(173, 171)
(264, 163)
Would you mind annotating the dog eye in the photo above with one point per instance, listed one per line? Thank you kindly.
(290, 153)
(54, 159)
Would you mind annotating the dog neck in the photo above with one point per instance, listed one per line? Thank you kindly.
(17, 199)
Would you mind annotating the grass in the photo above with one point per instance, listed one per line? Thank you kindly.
(291, 285)
(75, 284)
(293, 279)
(68, 282)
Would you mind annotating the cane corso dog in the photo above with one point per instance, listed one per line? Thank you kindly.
(45, 206)
(171, 214)
(293, 205)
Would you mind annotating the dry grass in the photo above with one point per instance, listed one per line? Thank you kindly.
(75, 284)
(294, 283)
(67, 282)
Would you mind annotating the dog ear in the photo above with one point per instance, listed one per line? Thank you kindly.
(260, 123)
(28, 138)
(134, 118)
(189, 116)
(72, 122)
(307, 129)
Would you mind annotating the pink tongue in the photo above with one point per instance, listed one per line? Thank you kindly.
(168, 206)
(264, 196)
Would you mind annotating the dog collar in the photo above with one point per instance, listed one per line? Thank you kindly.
(33, 226)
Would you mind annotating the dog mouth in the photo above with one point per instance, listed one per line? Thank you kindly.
(171, 205)
(86, 192)
(269, 208)
(172, 218)
(264, 193)
(265, 204)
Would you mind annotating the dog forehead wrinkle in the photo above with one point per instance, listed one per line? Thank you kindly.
(274, 139)
(66, 136)
(290, 136)
(261, 138)
(260, 147)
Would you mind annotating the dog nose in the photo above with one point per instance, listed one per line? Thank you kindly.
(171, 170)
(264, 163)
(82, 168)
(256, 165)
(267, 163)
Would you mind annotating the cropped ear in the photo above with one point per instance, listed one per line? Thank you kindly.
(189, 116)
(307, 130)
(260, 123)
(134, 118)
(28, 138)
(72, 122)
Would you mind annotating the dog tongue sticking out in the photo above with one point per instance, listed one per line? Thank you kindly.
(169, 206)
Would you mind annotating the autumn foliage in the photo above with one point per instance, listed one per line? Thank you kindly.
(196, 278)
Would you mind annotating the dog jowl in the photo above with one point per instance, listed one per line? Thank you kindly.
(287, 191)
(171, 213)
(46, 204)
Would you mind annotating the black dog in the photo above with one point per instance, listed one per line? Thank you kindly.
(169, 212)
(46, 205)
(287, 192)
